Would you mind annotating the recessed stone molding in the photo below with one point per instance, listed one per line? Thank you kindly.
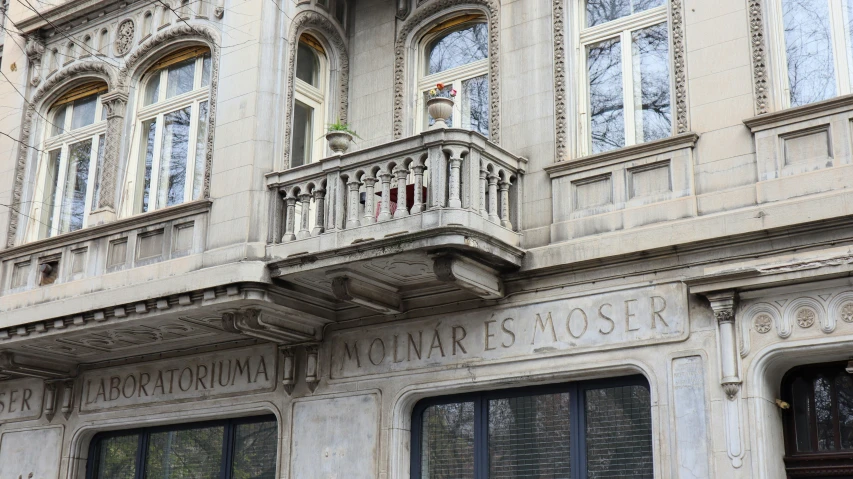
(759, 55)
(124, 37)
(492, 10)
(309, 20)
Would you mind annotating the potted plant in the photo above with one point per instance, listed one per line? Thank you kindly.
(339, 135)
(440, 105)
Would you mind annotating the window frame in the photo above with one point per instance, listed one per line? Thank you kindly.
(577, 418)
(620, 28)
(452, 78)
(157, 111)
(62, 142)
(841, 63)
(314, 98)
(143, 433)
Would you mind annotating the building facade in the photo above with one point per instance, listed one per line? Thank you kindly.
(571, 238)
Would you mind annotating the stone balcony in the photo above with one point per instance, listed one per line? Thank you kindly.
(439, 210)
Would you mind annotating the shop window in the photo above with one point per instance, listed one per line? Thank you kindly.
(456, 54)
(309, 114)
(71, 155)
(600, 429)
(171, 123)
(234, 449)
(625, 85)
(818, 421)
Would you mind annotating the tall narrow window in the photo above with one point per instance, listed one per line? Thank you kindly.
(600, 429)
(72, 154)
(456, 54)
(626, 68)
(309, 113)
(818, 51)
(172, 126)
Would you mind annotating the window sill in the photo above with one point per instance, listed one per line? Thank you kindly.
(799, 113)
(123, 224)
(628, 153)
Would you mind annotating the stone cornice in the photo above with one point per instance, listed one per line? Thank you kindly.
(69, 12)
(124, 224)
(800, 113)
(684, 140)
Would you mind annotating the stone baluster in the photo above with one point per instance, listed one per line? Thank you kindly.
(352, 206)
(455, 180)
(418, 204)
(385, 207)
(504, 189)
(305, 200)
(483, 186)
(369, 198)
(320, 205)
(290, 219)
(402, 173)
(493, 199)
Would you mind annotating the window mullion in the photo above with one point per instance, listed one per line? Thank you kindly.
(90, 181)
(481, 438)
(191, 152)
(628, 87)
(164, 77)
(839, 46)
(141, 452)
(576, 426)
(66, 123)
(61, 173)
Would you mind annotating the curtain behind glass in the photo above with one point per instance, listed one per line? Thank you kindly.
(255, 449)
(117, 457)
(447, 450)
(74, 191)
(185, 454)
(619, 433)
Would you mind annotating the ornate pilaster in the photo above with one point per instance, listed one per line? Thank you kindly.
(723, 304)
(35, 51)
(759, 56)
(115, 104)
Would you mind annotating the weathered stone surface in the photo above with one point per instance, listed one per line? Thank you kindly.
(31, 454)
(691, 418)
(20, 400)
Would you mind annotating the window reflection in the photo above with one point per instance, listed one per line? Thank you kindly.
(475, 104)
(602, 11)
(173, 158)
(607, 118)
(652, 109)
(458, 48)
(808, 47)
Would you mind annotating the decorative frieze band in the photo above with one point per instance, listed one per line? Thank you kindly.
(759, 55)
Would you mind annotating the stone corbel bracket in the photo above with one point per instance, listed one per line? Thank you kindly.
(61, 390)
(312, 366)
(288, 375)
(263, 325)
(723, 304)
(468, 274)
(359, 289)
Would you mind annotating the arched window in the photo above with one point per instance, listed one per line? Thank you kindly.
(72, 154)
(172, 123)
(456, 53)
(309, 112)
(818, 422)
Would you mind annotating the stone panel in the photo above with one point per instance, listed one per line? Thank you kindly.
(21, 400)
(691, 422)
(31, 454)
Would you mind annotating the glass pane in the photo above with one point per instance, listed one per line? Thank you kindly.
(200, 150)
(475, 104)
(529, 437)
(149, 129)
(58, 126)
(844, 389)
(601, 11)
(802, 412)
(606, 115)
(152, 89)
(180, 78)
(98, 167)
(306, 64)
(619, 432)
(83, 112)
(117, 457)
(340, 11)
(50, 200)
(302, 118)
(823, 414)
(173, 158)
(255, 450)
(808, 45)
(205, 70)
(652, 109)
(447, 450)
(74, 191)
(458, 48)
(185, 454)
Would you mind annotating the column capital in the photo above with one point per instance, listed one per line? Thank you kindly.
(723, 304)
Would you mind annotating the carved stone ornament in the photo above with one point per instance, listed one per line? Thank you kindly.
(759, 56)
(731, 390)
(288, 374)
(305, 21)
(724, 316)
(75, 70)
(492, 8)
(679, 62)
(35, 51)
(847, 313)
(312, 366)
(124, 37)
(763, 323)
(560, 100)
(806, 317)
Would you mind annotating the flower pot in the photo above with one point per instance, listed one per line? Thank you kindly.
(440, 109)
(339, 141)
